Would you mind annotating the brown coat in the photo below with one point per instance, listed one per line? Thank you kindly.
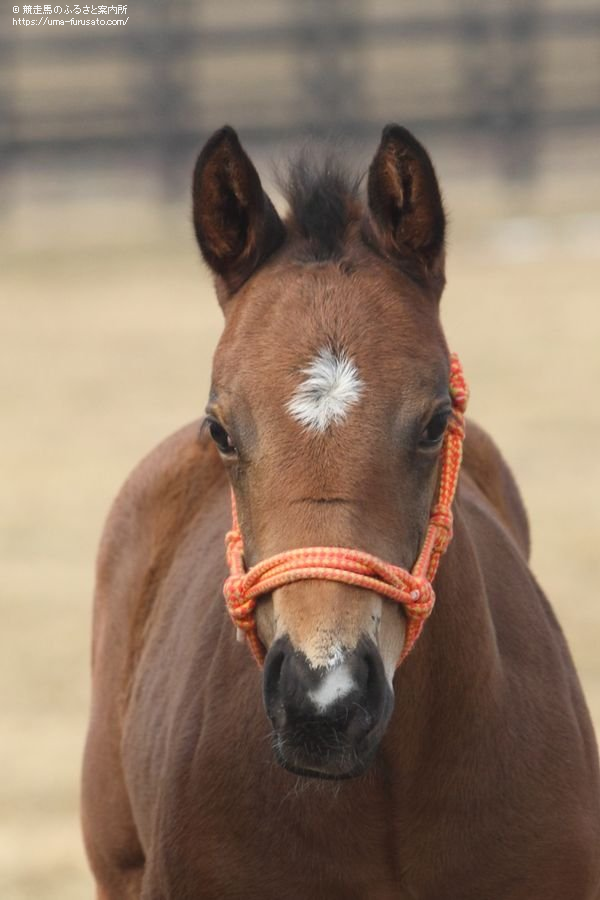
(485, 784)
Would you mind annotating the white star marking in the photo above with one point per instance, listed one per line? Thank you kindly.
(331, 387)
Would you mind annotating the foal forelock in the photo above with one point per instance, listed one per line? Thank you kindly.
(331, 387)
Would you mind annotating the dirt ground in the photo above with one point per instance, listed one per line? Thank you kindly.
(105, 352)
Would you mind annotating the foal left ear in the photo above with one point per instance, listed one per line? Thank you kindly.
(406, 218)
(236, 224)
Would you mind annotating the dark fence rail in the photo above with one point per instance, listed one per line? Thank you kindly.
(511, 72)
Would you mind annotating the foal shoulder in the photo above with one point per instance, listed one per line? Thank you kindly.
(158, 501)
(487, 468)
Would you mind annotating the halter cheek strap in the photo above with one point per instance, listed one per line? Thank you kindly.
(413, 590)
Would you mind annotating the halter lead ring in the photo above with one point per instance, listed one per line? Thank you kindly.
(413, 589)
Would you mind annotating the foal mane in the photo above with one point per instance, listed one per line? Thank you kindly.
(323, 197)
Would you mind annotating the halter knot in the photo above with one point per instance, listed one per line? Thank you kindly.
(239, 606)
(441, 518)
(422, 599)
(413, 590)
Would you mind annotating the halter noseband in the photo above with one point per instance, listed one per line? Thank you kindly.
(412, 589)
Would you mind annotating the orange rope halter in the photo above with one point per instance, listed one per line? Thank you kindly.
(412, 589)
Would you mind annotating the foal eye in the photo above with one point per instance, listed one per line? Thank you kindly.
(435, 430)
(221, 437)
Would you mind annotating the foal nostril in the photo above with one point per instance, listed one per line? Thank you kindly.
(347, 700)
(272, 683)
(273, 666)
(287, 680)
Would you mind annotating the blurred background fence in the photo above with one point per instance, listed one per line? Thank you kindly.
(514, 81)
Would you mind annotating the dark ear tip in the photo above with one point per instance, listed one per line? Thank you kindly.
(227, 133)
(398, 134)
(223, 135)
(391, 130)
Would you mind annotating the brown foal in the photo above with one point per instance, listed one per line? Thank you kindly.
(468, 773)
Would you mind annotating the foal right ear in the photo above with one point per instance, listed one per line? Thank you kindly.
(406, 220)
(236, 224)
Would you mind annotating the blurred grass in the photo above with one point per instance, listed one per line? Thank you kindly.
(105, 353)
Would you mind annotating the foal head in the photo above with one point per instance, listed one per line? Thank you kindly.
(329, 404)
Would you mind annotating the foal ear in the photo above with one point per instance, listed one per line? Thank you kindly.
(236, 224)
(406, 216)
